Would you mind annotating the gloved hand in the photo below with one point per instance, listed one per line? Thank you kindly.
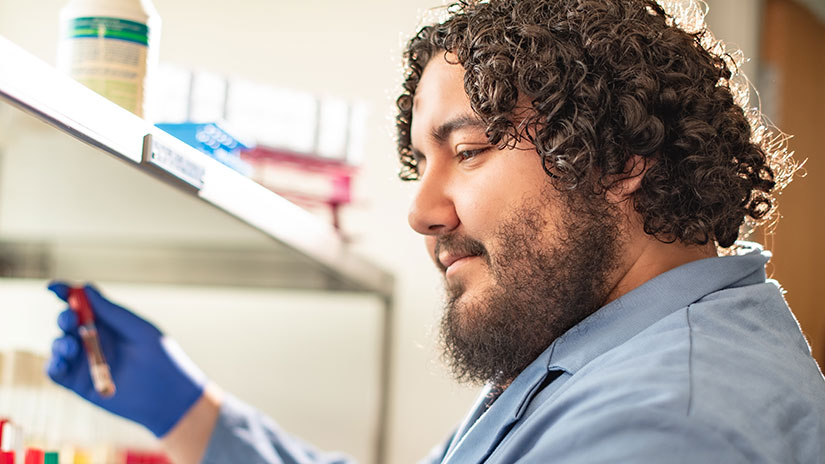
(155, 382)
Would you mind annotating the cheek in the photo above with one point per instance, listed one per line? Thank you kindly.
(481, 217)
(483, 204)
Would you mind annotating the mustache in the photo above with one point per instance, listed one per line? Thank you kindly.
(459, 245)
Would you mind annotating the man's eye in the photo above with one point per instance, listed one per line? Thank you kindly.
(465, 155)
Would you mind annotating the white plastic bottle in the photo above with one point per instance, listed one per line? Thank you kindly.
(110, 46)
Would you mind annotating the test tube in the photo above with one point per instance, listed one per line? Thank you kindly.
(98, 368)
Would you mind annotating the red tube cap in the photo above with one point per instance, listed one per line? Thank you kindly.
(34, 456)
(80, 305)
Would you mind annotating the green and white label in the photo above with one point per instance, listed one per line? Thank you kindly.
(109, 56)
(109, 28)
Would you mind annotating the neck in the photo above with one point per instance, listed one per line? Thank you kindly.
(648, 257)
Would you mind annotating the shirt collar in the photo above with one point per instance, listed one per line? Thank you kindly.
(623, 318)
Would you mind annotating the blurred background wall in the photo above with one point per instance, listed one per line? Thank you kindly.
(793, 54)
(351, 49)
(785, 40)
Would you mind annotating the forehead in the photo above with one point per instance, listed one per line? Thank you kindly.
(439, 97)
(440, 79)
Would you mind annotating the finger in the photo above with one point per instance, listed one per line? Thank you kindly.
(57, 369)
(60, 288)
(67, 321)
(119, 318)
(66, 347)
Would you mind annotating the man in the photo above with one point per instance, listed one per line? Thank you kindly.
(579, 162)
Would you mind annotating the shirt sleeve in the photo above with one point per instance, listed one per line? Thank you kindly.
(243, 434)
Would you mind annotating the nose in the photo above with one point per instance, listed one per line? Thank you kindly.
(432, 211)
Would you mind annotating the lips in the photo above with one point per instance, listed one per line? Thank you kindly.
(447, 259)
(451, 248)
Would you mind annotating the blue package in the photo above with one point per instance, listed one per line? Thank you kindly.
(209, 138)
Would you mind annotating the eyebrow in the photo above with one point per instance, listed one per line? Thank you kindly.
(441, 133)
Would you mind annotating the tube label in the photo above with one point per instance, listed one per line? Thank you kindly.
(108, 55)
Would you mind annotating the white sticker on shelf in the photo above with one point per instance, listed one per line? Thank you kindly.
(174, 160)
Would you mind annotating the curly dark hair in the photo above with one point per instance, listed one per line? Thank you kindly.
(608, 80)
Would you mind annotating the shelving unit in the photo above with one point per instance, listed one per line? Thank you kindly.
(214, 225)
(37, 89)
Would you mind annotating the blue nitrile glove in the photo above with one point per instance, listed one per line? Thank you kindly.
(154, 380)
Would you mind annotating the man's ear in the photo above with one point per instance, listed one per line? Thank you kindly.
(630, 180)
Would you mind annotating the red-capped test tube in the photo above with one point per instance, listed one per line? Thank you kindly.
(98, 368)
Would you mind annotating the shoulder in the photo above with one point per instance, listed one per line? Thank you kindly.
(747, 347)
(627, 433)
(752, 373)
(725, 379)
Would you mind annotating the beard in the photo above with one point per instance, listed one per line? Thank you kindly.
(542, 286)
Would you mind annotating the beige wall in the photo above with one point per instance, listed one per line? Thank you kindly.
(738, 24)
(794, 48)
(785, 41)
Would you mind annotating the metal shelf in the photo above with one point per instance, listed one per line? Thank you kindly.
(39, 90)
(108, 196)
